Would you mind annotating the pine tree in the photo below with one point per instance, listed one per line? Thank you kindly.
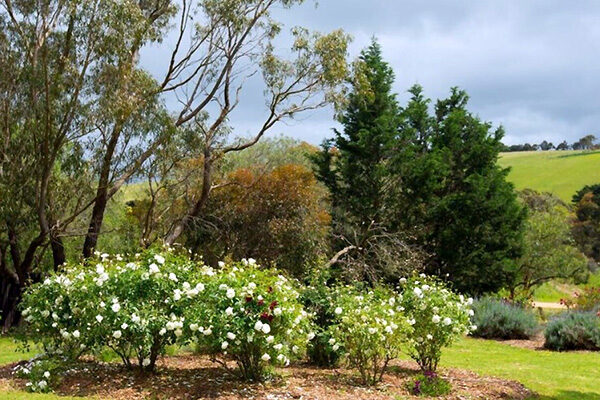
(370, 122)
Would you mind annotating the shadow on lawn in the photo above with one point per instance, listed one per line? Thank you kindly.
(583, 153)
(570, 395)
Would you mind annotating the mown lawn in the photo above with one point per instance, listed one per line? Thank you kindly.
(555, 376)
(558, 172)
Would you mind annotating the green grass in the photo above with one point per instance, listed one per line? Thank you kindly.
(553, 291)
(558, 172)
(555, 376)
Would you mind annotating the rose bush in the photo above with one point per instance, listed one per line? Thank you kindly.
(133, 307)
(250, 315)
(438, 317)
(369, 330)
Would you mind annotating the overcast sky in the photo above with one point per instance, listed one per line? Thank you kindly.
(532, 66)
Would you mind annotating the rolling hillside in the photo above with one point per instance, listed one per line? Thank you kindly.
(558, 172)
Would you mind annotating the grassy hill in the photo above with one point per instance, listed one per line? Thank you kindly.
(558, 172)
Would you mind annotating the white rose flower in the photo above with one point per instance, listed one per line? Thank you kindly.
(159, 259)
(372, 331)
(116, 307)
(124, 325)
(229, 311)
(224, 345)
(117, 334)
(402, 280)
(178, 332)
(270, 339)
(162, 332)
(207, 331)
(173, 277)
(251, 261)
(230, 335)
(429, 337)
(447, 321)
(258, 326)
(135, 318)
(76, 334)
(42, 384)
(265, 357)
(47, 374)
(153, 269)
(266, 328)
(338, 310)
(99, 269)
(278, 346)
(310, 336)
(417, 291)
(186, 285)
(221, 264)
(99, 318)
(145, 362)
(193, 327)
(277, 312)
(435, 319)
(336, 347)
(200, 287)
(230, 293)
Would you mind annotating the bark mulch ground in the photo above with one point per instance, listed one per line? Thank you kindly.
(193, 377)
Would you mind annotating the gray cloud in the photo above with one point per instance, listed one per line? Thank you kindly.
(532, 66)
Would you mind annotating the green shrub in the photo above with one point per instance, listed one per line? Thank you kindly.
(438, 317)
(134, 308)
(369, 330)
(318, 300)
(252, 316)
(573, 331)
(497, 319)
(429, 384)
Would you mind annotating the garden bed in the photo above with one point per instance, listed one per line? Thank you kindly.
(193, 377)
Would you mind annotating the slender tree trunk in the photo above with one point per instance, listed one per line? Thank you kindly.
(199, 205)
(58, 251)
(91, 239)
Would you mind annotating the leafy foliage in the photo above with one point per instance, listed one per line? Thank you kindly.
(429, 384)
(549, 251)
(276, 217)
(498, 319)
(586, 228)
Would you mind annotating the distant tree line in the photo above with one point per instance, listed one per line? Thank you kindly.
(588, 142)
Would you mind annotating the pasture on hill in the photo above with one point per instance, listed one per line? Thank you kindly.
(559, 172)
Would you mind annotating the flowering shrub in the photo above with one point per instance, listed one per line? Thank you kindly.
(134, 308)
(318, 298)
(369, 330)
(251, 315)
(573, 330)
(498, 319)
(438, 316)
(43, 374)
